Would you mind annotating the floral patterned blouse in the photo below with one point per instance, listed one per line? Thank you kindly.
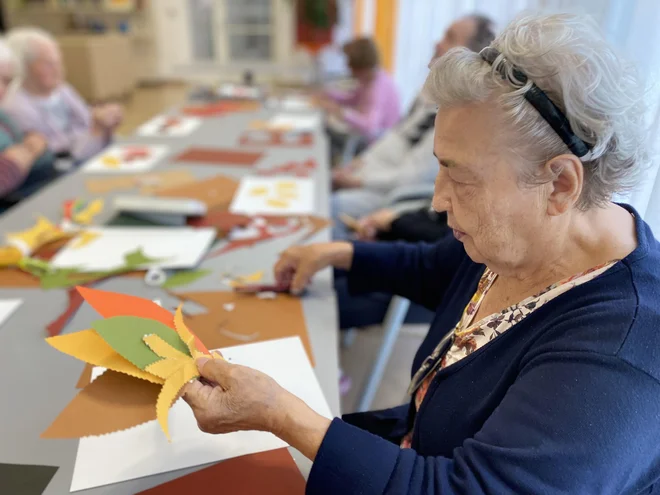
(468, 337)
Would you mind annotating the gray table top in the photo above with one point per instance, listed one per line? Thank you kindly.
(39, 381)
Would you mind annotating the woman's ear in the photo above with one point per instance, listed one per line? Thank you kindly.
(567, 173)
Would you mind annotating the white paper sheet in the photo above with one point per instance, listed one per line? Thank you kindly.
(295, 103)
(159, 127)
(144, 450)
(274, 196)
(175, 247)
(7, 308)
(117, 159)
(293, 122)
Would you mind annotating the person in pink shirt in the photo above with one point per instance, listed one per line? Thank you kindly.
(372, 107)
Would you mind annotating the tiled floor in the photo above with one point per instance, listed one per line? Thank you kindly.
(357, 359)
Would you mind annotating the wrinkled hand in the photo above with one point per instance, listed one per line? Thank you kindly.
(379, 221)
(298, 264)
(234, 398)
(107, 117)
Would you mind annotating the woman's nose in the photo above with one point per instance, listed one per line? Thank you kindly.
(441, 197)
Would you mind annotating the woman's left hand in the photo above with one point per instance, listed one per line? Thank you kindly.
(242, 399)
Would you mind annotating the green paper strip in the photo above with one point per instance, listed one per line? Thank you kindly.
(184, 278)
(125, 333)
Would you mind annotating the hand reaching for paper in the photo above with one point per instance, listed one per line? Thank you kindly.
(297, 265)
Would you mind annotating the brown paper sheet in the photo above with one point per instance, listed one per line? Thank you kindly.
(273, 473)
(147, 183)
(216, 192)
(252, 319)
(215, 156)
(85, 377)
(223, 221)
(15, 278)
(113, 402)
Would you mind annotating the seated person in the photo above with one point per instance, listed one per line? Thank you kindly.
(404, 156)
(44, 103)
(540, 372)
(24, 158)
(371, 108)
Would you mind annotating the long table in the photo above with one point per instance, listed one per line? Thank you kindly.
(37, 382)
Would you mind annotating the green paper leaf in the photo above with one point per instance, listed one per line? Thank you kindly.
(124, 334)
(184, 278)
(138, 258)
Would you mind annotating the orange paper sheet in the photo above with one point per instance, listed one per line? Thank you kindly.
(112, 402)
(216, 192)
(147, 183)
(252, 319)
(273, 473)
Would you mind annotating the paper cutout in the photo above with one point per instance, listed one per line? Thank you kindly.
(83, 239)
(113, 402)
(217, 156)
(297, 169)
(85, 376)
(169, 126)
(30, 240)
(144, 349)
(126, 158)
(223, 221)
(247, 279)
(272, 196)
(125, 334)
(273, 319)
(184, 278)
(90, 347)
(216, 192)
(9, 256)
(266, 229)
(273, 472)
(82, 212)
(146, 183)
(25, 479)
(272, 138)
(220, 108)
(57, 325)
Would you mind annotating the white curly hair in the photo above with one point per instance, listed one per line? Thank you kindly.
(25, 42)
(568, 58)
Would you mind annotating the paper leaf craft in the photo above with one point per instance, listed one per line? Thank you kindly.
(273, 196)
(272, 138)
(216, 156)
(126, 158)
(159, 349)
(297, 169)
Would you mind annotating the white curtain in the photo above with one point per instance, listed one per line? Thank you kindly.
(630, 25)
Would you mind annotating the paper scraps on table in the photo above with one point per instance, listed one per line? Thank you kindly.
(123, 158)
(259, 230)
(270, 138)
(144, 450)
(182, 278)
(141, 340)
(145, 183)
(273, 472)
(57, 325)
(216, 192)
(219, 108)
(297, 169)
(30, 240)
(7, 308)
(274, 196)
(273, 319)
(25, 479)
(174, 247)
(217, 156)
(81, 212)
(169, 126)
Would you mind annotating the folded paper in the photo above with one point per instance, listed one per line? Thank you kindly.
(140, 339)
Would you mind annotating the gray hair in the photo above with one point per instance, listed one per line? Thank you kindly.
(568, 58)
(25, 41)
(6, 55)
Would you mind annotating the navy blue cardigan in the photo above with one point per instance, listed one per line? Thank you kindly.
(566, 401)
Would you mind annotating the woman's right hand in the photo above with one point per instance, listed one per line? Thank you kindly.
(298, 264)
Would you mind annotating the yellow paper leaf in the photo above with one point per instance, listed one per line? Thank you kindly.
(88, 346)
(247, 279)
(288, 185)
(10, 256)
(86, 216)
(185, 334)
(29, 241)
(111, 162)
(259, 191)
(171, 390)
(84, 239)
(277, 203)
(162, 348)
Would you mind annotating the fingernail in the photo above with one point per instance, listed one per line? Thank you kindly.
(200, 362)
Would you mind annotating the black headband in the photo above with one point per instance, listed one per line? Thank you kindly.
(544, 105)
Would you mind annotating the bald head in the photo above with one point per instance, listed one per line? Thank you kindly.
(474, 32)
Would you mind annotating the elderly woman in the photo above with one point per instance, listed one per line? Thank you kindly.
(44, 103)
(24, 160)
(540, 372)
